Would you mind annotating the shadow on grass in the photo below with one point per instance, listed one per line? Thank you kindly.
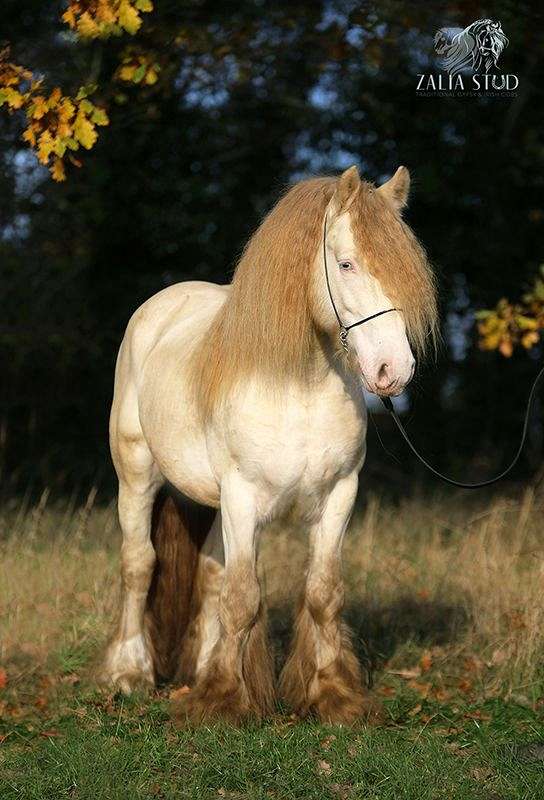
(379, 630)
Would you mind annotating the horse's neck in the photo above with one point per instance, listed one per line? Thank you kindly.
(329, 374)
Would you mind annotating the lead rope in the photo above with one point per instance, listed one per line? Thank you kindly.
(388, 404)
(389, 407)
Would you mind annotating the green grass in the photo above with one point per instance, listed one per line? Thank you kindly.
(447, 598)
(86, 744)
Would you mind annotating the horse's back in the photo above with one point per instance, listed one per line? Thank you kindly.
(173, 314)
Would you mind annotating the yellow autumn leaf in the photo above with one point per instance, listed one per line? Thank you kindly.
(129, 19)
(12, 97)
(57, 170)
(69, 17)
(54, 98)
(99, 116)
(66, 109)
(39, 107)
(151, 77)
(126, 72)
(45, 146)
(105, 13)
(59, 147)
(85, 106)
(144, 5)
(529, 339)
(525, 323)
(506, 348)
(87, 27)
(84, 131)
(30, 136)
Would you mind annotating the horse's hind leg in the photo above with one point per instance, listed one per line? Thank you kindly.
(128, 662)
(204, 627)
(322, 674)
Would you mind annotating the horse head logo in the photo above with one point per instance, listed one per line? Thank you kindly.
(475, 48)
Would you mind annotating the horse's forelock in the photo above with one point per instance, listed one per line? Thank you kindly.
(398, 261)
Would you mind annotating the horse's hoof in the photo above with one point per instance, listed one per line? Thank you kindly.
(197, 706)
(126, 682)
(127, 667)
(352, 709)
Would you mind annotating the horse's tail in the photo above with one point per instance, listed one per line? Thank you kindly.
(178, 531)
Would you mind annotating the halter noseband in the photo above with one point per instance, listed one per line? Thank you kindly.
(344, 329)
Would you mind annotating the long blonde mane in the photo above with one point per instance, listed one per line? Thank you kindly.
(266, 325)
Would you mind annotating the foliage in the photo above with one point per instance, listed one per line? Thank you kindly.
(56, 125)
(138, 67)
(92, 19)
(511, 324)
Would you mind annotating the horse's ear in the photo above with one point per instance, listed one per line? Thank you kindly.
(348, 183)
(397, 188)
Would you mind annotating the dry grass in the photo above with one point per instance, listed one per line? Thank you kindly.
(458, 580)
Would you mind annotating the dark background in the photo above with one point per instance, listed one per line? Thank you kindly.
(253, 95)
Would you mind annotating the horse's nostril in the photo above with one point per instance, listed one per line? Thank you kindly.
(384, 379)
(383, 374)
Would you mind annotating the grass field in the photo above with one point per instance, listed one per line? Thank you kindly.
(445, 597)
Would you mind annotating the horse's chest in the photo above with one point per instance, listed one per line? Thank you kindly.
(295, 450)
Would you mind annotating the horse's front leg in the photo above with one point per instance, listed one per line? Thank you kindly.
(322, 674)
(236, 681)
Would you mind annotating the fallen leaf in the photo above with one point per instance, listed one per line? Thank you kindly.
(425, 662)
(465, 686)
(327, 741)
(481, 773)
(415, 710)
(387, 691)
(446, 731)
(483, 716)
(341, 790)
(422, 689)
(176, 694)
(499, 657)
(324, 768)
(407, 674)
(457, 749)
(85, 599)
(3, 678)
(473, 664)
(51, 734)
(41, 702)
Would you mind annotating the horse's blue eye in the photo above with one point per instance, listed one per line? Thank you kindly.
(345, 265)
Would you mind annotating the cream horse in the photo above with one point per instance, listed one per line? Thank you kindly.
(241, 398)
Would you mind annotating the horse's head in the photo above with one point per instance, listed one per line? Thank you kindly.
(375, 263)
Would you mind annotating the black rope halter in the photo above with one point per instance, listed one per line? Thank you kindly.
(344, 329)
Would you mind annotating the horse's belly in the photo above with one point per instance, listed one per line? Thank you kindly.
(188, 469)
